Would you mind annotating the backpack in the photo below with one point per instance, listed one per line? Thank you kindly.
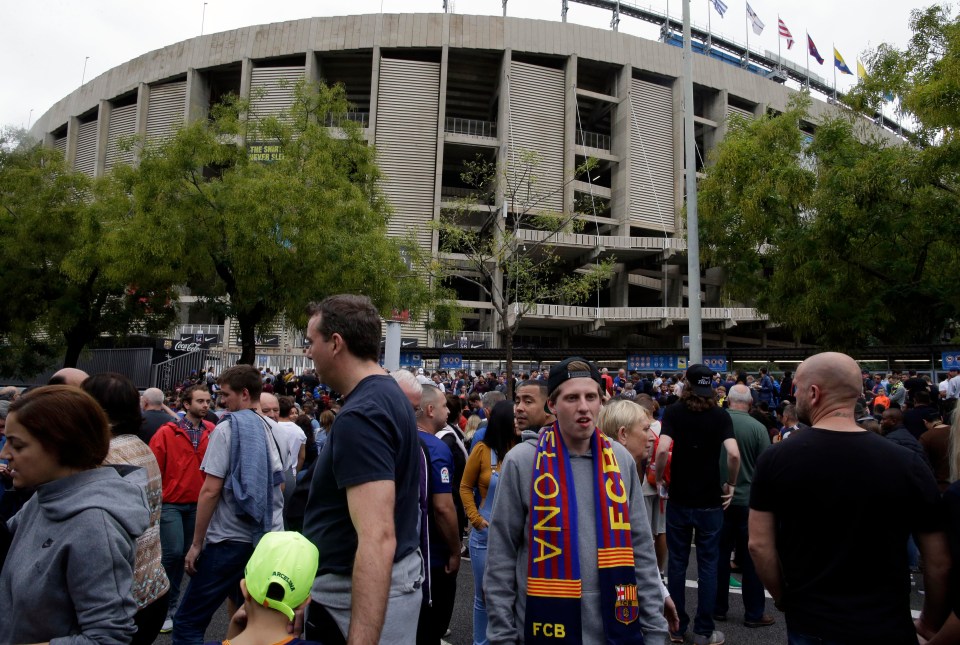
(652, 466)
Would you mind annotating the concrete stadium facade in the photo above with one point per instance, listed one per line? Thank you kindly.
(433, 90)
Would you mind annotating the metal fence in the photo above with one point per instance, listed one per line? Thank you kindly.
(168, 374)
(593, 140)
(337, 120)
(470, 127)
(221, 360)
(134, 363)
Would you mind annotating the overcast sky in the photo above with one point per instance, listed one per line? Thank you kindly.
(43, 43)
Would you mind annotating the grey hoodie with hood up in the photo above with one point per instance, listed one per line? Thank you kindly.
(68, 575)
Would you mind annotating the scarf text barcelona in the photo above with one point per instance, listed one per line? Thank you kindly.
(554, 585)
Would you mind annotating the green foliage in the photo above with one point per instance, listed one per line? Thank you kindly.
(845, 241)
(259, 239)
(61, 287)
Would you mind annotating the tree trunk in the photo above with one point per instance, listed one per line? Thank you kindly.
(74, 348)
(509, 331)
(248, 338)
(77, 338)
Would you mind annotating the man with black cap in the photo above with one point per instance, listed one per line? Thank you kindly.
(570, 556)
(696, 428)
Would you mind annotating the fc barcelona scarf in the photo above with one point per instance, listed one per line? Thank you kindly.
(554, 586)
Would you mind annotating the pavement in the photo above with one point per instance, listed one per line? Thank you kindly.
(461, 624)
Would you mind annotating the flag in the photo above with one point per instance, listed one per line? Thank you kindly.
(720, 7)
(785, 33)
(840, 64)
(755, 20)
(813, 50)
(861, 70)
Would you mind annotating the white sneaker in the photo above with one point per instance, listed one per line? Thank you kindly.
(167, 626)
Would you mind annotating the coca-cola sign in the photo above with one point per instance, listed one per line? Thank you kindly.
(187, 346)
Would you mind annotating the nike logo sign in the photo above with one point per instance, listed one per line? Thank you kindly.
(410, 344)
(446, 345)
(209, 339)
(476, 345)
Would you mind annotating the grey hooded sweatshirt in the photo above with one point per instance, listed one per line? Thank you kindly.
(68, 575)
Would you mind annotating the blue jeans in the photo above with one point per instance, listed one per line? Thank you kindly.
(703, 525)
(176, 534)
(219, 571)
(734, 536)
(478, 562)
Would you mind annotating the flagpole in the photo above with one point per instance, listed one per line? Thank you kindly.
(779, 38)
(709, 28)
(746, 22)
(690, 170)
(834, 72)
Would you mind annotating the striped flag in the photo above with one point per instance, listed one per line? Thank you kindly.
(840, 63)
(813, 50)
(720, 7)
(755, 21)
(785, 33)
(861, 70)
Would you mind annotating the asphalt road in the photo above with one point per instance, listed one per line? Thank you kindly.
(461, 625)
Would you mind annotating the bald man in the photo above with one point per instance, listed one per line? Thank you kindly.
(68, 376)
(830, 514)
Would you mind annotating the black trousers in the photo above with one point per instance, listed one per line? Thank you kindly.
(435, 619)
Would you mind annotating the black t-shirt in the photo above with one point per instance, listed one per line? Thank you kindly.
(374, 438)
(844, 504)
(951, 503)
(695, 466)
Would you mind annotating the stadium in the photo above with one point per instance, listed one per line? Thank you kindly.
(433, 91)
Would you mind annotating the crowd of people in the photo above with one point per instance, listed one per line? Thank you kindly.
(337, 505)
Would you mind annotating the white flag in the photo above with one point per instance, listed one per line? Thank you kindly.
(755, 19)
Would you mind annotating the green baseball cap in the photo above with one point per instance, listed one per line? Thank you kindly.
(288, 559)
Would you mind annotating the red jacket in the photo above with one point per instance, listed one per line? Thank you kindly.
(179, 462)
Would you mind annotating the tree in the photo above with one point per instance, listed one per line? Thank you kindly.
(514, 269)
(255, 236)
(843, 238)
(61, 288)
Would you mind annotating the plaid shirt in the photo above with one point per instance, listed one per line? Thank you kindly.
(193, 433)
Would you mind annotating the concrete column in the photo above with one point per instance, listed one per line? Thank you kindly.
(246, 77)
(103, 129)
(374, 91)
(438, 168)
(198, 96)
(714, 278)
(143, 102)
(73, 130)
(569, 131)
(716, 110)
(621, 130)
(503, 156)
(674, 285)
(312, 70)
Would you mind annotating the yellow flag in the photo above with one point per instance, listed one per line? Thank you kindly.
(861, 72)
